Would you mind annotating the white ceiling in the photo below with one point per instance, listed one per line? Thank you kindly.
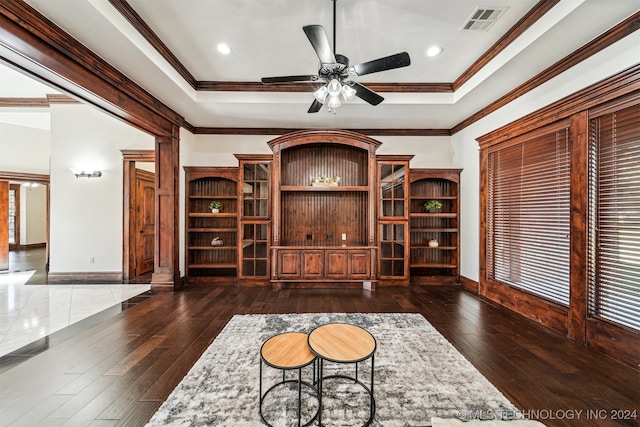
(266, 39)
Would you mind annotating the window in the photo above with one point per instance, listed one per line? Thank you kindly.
(528, 208)
(614, 224)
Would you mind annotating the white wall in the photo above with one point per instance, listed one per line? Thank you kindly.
(24, 149)
(33, 214)
(608, 62)
(86, 213)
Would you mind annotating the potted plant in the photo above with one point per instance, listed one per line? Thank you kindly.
(215, 206)
(432, 205)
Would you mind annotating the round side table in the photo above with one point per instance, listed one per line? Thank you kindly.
(288, 351)
(343, 343)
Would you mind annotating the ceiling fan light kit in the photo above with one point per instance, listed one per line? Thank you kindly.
(335, 70)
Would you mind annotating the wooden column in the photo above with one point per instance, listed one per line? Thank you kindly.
(4, 225)
(166, 275)
(578, 293)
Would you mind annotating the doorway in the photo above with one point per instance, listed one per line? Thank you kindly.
(139, 215)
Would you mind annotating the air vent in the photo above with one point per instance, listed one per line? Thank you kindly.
(483, 18)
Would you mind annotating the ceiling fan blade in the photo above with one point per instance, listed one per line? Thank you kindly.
(315, 106)
(289, 79)
(366, 94)
(320, 42)
(387, 63)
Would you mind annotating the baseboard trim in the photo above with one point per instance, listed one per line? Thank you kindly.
(86, 277)
(27, 247)
(470, 285)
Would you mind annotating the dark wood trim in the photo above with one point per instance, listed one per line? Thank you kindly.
(4, 225)
(28, 246)
(623, 83)
(578, 277)
(407, 87)
(141, 26)
(25, 177)
(37, 102)
(128, 213)
(17, 235)
(615, 34)
(282, 131)
(61, 99)
(85, 277)
(470, 285)
(545, 312)
(24, 102)
(139, 155)
(614, 341)
(166, 274)
(36, 46)
(531, 17)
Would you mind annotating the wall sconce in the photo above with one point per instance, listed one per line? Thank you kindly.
(79, 173)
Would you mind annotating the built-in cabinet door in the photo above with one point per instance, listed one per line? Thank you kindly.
(255, 219)
(393, 215)
(337, 266)
(312, 264)
(289, 264)
(392, 181)
(255, 249)
(393, 250)
(359, 264)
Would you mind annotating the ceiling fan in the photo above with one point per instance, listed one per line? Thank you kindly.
(335, 71)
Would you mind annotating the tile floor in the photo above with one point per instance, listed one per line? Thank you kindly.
(30, 312)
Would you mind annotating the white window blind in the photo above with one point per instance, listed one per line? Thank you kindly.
(528, 215)
(614, 226)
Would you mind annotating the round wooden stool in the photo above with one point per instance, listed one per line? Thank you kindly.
(344, 343)
(288, 351)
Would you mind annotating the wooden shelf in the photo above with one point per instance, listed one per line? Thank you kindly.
(437, 248)
(434, 230)
(431, 265)
(327, 188)
(212, 266)
(211, 229)
(212, 248)
(212, 215)
(433, 215)
(205, 263)
(211, 197)
(435, 197)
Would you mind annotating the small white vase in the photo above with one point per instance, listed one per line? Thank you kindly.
(215, 210)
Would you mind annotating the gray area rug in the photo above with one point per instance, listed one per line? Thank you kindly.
(418, 375)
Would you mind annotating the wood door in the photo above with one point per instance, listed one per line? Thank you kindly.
(337, 264)
(359, 264)
(144, 229)
(312, 264)
(288, 263)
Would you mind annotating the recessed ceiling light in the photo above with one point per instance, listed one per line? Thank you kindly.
(224, 49)
(433, 51)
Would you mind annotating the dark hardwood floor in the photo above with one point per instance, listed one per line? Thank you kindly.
(118, 371)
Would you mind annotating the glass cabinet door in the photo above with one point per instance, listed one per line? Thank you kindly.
(255, 250)
(392, 189)
(255, 190)
(392, 249)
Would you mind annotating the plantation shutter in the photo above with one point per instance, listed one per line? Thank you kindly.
(614, 251)
(528, 215)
